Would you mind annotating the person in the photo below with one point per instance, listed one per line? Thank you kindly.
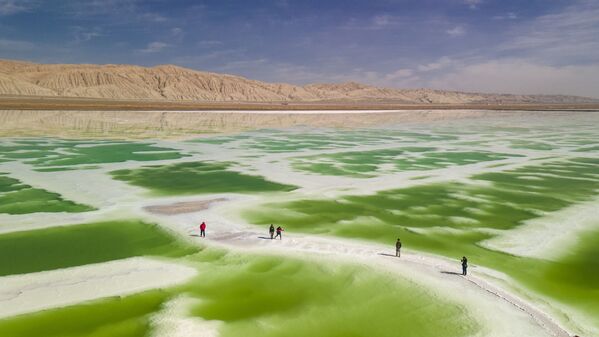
(279, 233)
(203, 229)
(464, 265)
(271, 230)
(397, 248)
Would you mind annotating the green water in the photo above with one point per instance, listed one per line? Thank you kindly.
(114, 317)
(197, 178)
(111, 153)
(274, 296)
(451, 217)
(365, 164)
(267, 296)
(531, 145)
(61, 247)
(276, 141)
(55, 152)
(19, 198)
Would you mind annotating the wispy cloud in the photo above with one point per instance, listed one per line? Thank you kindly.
(152, 17)
(376, 22)
(82, 34)
(521, 76)
(126, 10)
(382, 21)
(473, 4)
(506, 16)
(441, 63)
(209, 43)
(16, 45)
(567, 36)
(154, 47)
(9, 7)
(456, 31)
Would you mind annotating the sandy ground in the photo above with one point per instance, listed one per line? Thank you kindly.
(20, 294)
(182, 207)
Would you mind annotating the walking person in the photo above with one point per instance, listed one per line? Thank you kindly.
(398, 248)
(271, 230)
(203, 230)
(464, 265)
(279, 233)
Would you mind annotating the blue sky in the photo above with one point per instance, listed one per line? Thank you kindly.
(533, 46)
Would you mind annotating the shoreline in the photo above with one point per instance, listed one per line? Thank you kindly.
(90, 104)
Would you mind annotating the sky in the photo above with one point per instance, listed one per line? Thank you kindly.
(503, 46)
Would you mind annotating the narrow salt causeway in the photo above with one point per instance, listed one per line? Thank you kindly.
(21, 294)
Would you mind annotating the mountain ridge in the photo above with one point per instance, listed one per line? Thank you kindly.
(169, 82)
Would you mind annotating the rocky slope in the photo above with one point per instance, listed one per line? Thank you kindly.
(173, 83)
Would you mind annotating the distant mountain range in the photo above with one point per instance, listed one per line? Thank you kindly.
(173, 83)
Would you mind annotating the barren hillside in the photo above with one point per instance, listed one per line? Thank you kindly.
(173, 83)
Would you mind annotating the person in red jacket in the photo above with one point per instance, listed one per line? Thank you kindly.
(203, 229)
(279, 233)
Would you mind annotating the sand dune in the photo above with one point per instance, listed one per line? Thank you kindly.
(173, 83)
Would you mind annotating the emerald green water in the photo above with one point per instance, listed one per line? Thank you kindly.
(19, 198)
(267, 296)
(197, 178)
(365, 164)
(275, 296)
(278, 141)
(256, 295)
(513, 197)
(61, 247)
(54, 152)
(114, 317)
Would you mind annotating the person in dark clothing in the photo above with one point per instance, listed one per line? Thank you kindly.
(398, 248)
(279, 233)
(464, 265)
(271, 230)
(203, 230)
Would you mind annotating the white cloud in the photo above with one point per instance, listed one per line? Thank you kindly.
(441, 63)
(176, 31)
(9, 7)
(564, 37)
(154, 47)
(15, 45)
(373, 23)
(522, 77)
(152, 17)
(473, 4)
(401, 73)
(506, 16)
(456, 31)
(382, 21)
(83, 34)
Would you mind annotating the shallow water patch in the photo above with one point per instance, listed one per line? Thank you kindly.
(61, 247)
(197, 178)
(19, 198)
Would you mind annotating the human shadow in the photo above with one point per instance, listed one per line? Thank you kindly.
(385, 254)
(450, 272)
(196, 235)
(264, 238)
